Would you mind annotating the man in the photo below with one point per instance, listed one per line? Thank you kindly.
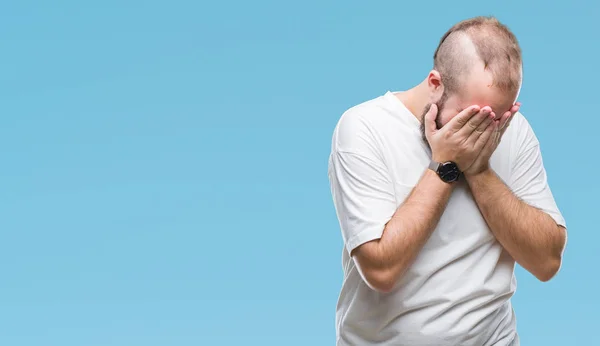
(438, 197)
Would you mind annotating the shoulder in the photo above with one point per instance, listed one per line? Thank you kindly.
(358, 127)
(521, 133)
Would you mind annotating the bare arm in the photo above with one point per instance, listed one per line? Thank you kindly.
(384, 260)
(529, 235)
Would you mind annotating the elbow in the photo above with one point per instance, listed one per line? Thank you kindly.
(380, 280)
(550, 270)
(552, 265)
(377, 271)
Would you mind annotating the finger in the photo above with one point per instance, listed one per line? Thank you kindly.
(480, 130)
(461, 118)
(507, 122)
(515, 108)
(497, 140)
(498, 135)
(429, 121)
(486, 138)
(473, 123)
(488, 147)
(491, 144)
(505, 118)
(508, 116)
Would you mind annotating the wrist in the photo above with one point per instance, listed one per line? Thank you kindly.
(484, 173)
(447, 171)
(433, 178)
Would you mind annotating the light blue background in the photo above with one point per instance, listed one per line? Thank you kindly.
(163, 164)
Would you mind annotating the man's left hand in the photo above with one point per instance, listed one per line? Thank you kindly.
(482, 163)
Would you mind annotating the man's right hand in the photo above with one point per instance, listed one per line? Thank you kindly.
(462, 138)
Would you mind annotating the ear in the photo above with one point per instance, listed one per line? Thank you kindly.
(435, 86)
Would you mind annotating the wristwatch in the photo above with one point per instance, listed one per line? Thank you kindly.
(447, 171)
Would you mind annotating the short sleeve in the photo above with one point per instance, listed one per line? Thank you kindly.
(529, 181)
(361, 184)
(363, 195)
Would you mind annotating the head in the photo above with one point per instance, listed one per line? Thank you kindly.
(478, 61)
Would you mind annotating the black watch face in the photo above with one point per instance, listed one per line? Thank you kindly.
(449, 172)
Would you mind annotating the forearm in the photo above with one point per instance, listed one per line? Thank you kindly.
(408, 231)
(528, 234)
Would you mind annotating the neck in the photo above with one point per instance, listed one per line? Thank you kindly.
(415, 99)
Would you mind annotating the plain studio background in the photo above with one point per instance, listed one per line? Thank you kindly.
(163, 165)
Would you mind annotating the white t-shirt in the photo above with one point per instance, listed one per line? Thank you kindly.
(458, 290)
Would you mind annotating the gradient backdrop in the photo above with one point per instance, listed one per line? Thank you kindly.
(163, 165)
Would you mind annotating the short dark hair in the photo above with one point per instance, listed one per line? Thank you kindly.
(496, 46)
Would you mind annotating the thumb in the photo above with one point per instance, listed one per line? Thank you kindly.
(429, 120)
